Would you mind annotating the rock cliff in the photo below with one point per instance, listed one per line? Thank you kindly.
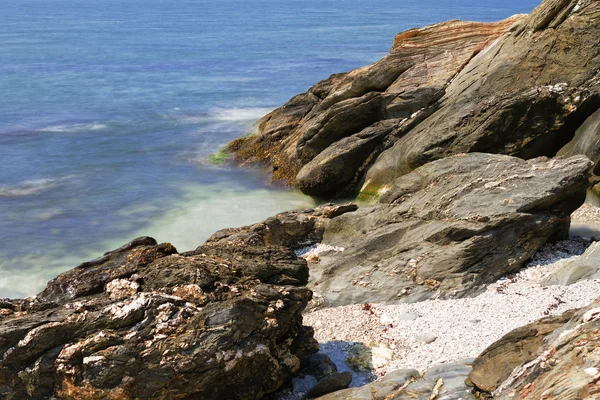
(519, 87)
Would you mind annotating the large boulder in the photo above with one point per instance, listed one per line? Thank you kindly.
(524, 95)
(448, 228)
(519, 87)
(342, 114)
(554, 358)
(144, 322)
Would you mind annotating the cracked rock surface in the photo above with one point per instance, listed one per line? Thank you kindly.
(146, 322)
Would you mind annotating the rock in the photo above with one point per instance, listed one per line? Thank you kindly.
(409, 316)
(330, 383)
(324, 139)
(320, 366)
(560, 361)
(519, 87)
(586, 141)
(444, 382)
(524, 95)
(425, 338)
(146, 322)
(448, 228)
(494, 364)
(385, 319)
(586, 266)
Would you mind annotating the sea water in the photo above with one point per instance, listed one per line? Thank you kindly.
(110, 110)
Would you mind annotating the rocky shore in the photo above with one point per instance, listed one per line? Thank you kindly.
(449, 275)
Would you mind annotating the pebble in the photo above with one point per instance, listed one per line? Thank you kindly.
(463, 327)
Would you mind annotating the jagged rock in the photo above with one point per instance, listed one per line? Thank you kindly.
(293, 229)
(448, 228)
(332, 132)
(524, 95)
(562, 361)
(520, 87)
(144, 322)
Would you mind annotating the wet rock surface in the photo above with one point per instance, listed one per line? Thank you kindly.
(448, 228)
(146, 322)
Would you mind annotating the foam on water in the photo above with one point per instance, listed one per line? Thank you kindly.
(239, 114)
(32, 187)
(236, 115)
(78, 127)
(207, 209)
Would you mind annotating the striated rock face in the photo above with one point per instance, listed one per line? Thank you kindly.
(524, 95)
(349, 118)
(586, 141)
(554, 358)
(146, 322)
(519, 87)
(448, 228)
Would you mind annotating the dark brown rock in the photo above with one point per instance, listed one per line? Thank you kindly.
(146, 322)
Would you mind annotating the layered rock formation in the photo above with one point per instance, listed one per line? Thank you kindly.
(144, 322)
(519, 87)
(448, 228)
(554, 358)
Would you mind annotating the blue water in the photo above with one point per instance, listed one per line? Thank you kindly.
(109, 110)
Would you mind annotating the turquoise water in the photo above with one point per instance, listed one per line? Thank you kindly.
(109, 110)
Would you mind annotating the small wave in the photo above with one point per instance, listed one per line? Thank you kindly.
(239, 114)
(74, 127)
(226, 115)
(31, 187)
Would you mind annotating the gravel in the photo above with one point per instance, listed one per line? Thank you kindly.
(462, 328)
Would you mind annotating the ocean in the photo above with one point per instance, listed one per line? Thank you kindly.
(110, 112)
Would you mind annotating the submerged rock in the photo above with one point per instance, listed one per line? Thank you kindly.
(146, 322)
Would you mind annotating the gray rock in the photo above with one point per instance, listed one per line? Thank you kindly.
(449, 228)
(325, 139)
(408, 316)
(586, 141)
(330, 383)
(425, 338)
(586, 266)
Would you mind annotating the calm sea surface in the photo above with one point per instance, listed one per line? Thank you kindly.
(110, 109)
